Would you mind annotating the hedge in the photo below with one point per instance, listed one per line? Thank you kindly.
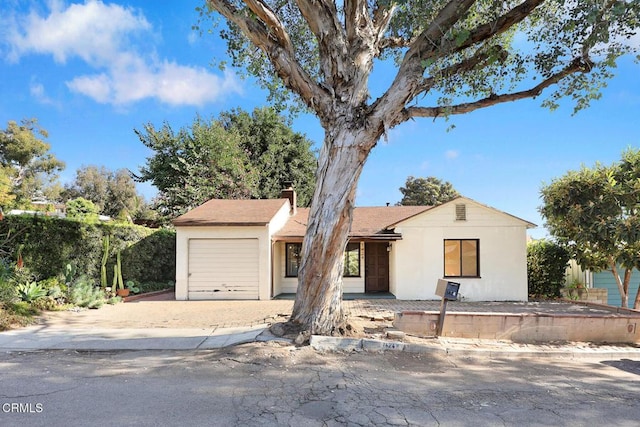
(48, 244)
(546, 266)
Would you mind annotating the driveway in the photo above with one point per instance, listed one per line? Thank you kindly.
(163, 311)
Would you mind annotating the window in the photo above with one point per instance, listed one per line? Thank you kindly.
(292, 256)
(293, 251)
(352, 260)
(461, 258)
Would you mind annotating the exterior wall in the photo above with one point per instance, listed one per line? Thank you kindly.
(183, 234)
(605, 280)
(417, 261)
(289, 285)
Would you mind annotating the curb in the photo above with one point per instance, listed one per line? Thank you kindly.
(323, 344)
(147, 295)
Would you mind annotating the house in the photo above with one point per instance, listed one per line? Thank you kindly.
(606, 280)
(250, 249)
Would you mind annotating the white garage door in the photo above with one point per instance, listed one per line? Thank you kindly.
(223, 269)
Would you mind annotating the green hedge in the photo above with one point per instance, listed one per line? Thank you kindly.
(47, 244)
(546, 266)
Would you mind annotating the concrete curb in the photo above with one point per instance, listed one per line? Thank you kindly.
(495, 350)
(39, 337)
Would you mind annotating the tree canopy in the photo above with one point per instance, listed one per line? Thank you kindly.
(429, 191)
(26, 161)
(236, 156)
(595, 213)
(277, 153)
(82, 209)
(113, 193)
(452, 57)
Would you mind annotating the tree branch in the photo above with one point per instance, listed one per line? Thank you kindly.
(430, 40)
(489, 30)
(395, 42)
(464, 66)
(381, 19)
(271, 21)
(356, 18)
(322, 18)
(578, 65)
(272, 38)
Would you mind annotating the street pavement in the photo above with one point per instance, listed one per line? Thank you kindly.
(268, 384)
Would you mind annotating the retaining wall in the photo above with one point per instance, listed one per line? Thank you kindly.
(525, 327)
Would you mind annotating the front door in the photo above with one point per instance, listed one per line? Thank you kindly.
(376, 267)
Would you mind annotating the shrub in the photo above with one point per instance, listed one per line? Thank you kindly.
(16, 314)
(546, 265)
(85, 294)
(30, 292)
(49, 243)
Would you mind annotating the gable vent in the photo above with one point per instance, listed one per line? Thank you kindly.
(461, 212)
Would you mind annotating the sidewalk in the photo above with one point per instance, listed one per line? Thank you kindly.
(161, 323)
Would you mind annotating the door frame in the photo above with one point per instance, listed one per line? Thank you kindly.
(369, 252)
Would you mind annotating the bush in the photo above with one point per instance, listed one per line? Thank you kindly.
(49, 244)
(546, 265)
(85, 294)
(16, 314)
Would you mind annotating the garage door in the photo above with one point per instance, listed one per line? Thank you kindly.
(223, 269)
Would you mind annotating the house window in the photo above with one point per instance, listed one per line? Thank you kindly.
(352, 260)
(292, 256)
(293, 252)
(462, 258)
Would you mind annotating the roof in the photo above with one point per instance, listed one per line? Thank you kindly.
(368, 222)
(251, 212)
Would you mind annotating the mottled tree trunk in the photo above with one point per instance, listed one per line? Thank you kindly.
(318, 305)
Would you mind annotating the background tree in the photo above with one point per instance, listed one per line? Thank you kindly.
(452, 56)
(113, 192)
(82, 209)
(595, 213)
(194, 165)
(429, 191)
(277, 153)
(237, 156)
(26, 160)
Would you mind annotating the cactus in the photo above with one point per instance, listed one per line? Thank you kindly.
(117, 272)
(105, 256)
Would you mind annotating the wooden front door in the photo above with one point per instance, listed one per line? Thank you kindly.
(376, 267)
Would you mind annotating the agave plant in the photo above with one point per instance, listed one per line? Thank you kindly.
(31, 292)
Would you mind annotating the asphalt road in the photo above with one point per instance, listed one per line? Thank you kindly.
(264, 384)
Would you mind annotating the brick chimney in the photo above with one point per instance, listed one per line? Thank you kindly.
(289, 193)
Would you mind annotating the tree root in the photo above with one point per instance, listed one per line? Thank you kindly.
(300, 334)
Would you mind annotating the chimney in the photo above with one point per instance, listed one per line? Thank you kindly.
(290, 193)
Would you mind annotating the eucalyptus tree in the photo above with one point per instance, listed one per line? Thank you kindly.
(451, 56)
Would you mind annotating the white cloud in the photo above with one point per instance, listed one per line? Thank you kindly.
(38, 92)
(111, 39)
(451, 154)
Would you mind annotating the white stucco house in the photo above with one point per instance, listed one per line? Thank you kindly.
(249, 249)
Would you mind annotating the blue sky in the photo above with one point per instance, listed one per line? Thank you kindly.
(92, 72)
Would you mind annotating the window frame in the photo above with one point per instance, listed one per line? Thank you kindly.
(287, 271)
(287, 259)
(461, 258)
(354, 245)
